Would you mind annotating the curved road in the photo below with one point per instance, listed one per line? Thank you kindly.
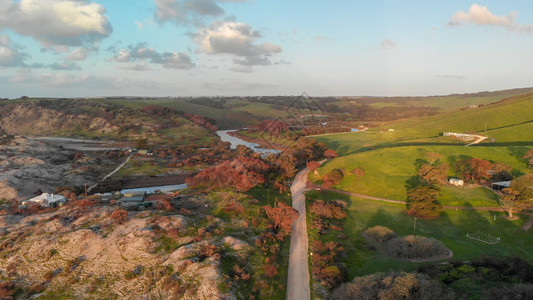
(298, 277)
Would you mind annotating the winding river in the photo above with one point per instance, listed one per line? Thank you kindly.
(235, 141)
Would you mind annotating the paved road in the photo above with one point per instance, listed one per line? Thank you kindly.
(298, 277)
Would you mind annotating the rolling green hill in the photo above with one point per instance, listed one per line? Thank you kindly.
(507, 122)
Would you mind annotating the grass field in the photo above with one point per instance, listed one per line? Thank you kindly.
(508, 122)
(389, 171)
(445, 103)
(391, 159)
(450, 228)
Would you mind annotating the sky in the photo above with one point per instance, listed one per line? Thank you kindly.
(91, 48)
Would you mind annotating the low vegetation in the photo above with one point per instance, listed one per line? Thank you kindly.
(410, 247)
(393, 285)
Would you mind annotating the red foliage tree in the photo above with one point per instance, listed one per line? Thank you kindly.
(242, 173)
(434, 173)
(273, 127)
(209, 124)
(328, 210)
(282, 216)
(330, 154)
(313, 165)
(120, 216)
(423, 202)
(161, 111)
(473, 169)
(271, 270)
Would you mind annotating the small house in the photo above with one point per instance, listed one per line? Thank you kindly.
(498, 186)
(132, 198)
(47, 200)
(456, 182)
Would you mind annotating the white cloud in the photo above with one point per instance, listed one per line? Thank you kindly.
(141, 66)
(56, 23)
(77, 54)
(482, 16)
(123, 56)
(11, 55)
(53, 79)
(242, 69)
(141, 53)
(187, 11)
(78, 81)
(68, 65)
(237, 39)
(388, 44)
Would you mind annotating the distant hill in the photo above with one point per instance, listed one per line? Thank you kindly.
(514, 111)
(92, 119)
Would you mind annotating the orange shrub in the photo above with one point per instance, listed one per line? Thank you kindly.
(120, 216)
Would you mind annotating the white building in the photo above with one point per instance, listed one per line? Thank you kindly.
(47, 200)
(456, 182)
(462, 136)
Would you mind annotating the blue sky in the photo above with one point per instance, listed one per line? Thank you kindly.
(85, 48)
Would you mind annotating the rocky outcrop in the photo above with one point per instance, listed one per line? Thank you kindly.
(96, 257)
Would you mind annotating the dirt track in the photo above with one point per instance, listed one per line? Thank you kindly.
(298, 277)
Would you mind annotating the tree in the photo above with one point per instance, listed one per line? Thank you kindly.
(330, 154)
(422, 202)
(313, 165)
(501, 172)
(141, 143)
(434, 173)
(529, 158)
(518, 196)
(473, 169)
(282, 216)
(242, 173)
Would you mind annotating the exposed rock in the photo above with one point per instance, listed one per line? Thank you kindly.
(235, 243)
(171, 222)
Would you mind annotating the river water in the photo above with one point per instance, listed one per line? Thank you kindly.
(76, 144)
(235, 141)
(153, 189)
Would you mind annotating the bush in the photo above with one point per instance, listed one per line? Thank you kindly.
(328, 210)
(330, 153)
(313, 165)
(518, 291)
(7, 288)
(120, 216)
(379, 234)
(392, 285)
(335, 176)
(415, 247)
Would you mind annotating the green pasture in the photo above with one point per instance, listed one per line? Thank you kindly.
(390, 172)
(450, 228)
